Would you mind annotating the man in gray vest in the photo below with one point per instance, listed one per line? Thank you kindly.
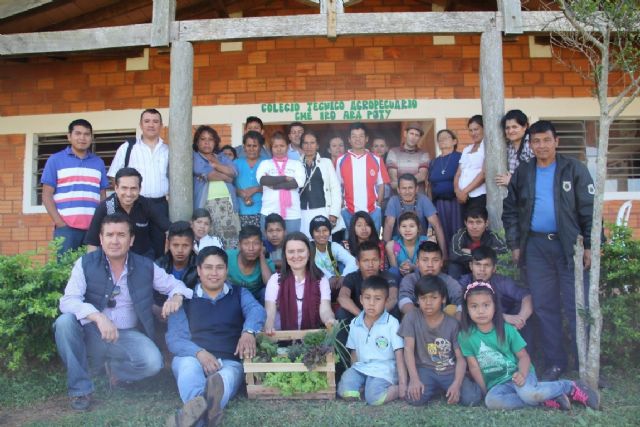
(106, 313)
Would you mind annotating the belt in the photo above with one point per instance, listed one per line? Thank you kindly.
(548, 236)
(157, 199)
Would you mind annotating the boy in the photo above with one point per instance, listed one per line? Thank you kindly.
(432, 354)
(248, 266)
(377, 363)
(516, 301)
(474, 234)
(274, 228)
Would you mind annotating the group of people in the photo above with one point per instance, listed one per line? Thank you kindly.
(284, 238)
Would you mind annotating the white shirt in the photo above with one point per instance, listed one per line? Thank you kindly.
(271, 198)
(470, 166)
(153, 165)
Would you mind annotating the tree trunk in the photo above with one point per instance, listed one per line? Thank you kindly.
(581, 322)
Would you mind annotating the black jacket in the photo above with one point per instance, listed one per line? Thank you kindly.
(461, 240)
(190, 277)
(573, 192)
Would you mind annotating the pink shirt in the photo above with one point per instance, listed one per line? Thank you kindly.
(271, 294)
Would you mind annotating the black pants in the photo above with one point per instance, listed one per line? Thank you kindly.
(472, 202)
(156, 234)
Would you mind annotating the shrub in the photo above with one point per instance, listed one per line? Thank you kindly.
(620, 262)
(29, 295)
(620, 342)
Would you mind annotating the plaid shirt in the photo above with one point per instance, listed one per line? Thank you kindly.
(513, 160)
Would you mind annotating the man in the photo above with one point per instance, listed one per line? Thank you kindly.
(408, 158)
(209, 336)
(141, 212)
(150, 156)
(430, 262)
(74, 181)
(107, 319)
(548, 205)
(248, 265)
(515, 300)
(408, 199)
(294, 135)
(474, 234)
(253, 123)
(362, 175)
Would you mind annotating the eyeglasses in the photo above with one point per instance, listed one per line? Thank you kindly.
(112, 299)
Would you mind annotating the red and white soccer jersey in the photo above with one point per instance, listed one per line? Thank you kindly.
(360, 176)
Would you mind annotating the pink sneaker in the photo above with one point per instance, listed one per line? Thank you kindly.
(561, 402)
(584, 395)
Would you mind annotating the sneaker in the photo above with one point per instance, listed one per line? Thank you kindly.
(190, 414)
(552, 373)
(583, 394)
(561, 402)
(80, 403)
(213, 393)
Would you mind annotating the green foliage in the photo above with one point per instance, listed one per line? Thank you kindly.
(620, 262)
(29, 295)
(620, 342)
(295, 382)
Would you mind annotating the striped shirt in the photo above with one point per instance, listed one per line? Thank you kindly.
(360, 176)
(77, 183)
(153, 165)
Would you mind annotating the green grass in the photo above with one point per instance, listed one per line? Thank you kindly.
(39, 399)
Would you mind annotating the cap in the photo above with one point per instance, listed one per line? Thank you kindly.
(417, 126)
(319, 221)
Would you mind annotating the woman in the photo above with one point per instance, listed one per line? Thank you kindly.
(248, 188)
(515, 125)
(321, 193)
(442, 172)
(213, 175)
(469, 180)
(299, 297)
(336, 148)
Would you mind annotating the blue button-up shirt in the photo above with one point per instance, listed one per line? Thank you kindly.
(179, 335)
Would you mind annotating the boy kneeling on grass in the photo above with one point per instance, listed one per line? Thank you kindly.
(376, 350)
(432, 354)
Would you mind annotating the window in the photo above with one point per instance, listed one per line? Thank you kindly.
(104, 145)
(578, 138)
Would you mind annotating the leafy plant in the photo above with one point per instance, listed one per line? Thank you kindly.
(295, 382)
(29, 295)
(621, 330)
(620, 265)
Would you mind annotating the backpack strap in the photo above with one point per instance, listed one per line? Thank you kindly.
(131, 141)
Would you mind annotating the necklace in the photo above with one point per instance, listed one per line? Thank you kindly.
(444, 169)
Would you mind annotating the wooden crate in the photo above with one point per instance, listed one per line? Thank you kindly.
(259, 391)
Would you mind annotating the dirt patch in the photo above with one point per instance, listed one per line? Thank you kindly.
(50, 409)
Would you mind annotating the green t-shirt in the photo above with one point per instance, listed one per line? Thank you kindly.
(498, 361)
(253, 282)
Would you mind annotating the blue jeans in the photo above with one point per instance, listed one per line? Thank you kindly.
(470, 392)
(375, 389)
(290, 225)
(376, 216)
(550, 275)
(192, 380)
(532, 393)
(131, 358)
(73, 238)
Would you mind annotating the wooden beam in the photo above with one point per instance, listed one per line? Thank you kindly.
(164, 15)
(13, 7)
(512, 16)
(492, 99)
(332, 19)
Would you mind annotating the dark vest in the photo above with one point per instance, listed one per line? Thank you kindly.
(139, 281)
(216, 327)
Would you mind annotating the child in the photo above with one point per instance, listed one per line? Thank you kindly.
(376, 350)
(500, 364)
(432, 354)
(274, 228)
(361, 230)
(201, 223)
(475, 233)
(403, 250)
(230, 152)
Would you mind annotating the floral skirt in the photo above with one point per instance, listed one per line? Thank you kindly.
(225, 223)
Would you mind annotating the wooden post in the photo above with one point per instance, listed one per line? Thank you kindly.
(164, 13)
(492, 97)
(180, 136)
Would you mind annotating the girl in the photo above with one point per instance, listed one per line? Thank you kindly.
(201, 224)
(499, 363)
(403, 250)
(516, 129)
(299, 296)
(361, 230)
(469, 180)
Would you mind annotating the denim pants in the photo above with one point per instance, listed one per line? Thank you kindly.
(434, 383)
(376, 216)
(73, 238)
(132, 357)
(375, 389)
(550, 275)
(192, 380)
(290, 225)
(532, 393)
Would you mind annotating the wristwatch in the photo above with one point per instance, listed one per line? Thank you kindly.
(251, 331)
